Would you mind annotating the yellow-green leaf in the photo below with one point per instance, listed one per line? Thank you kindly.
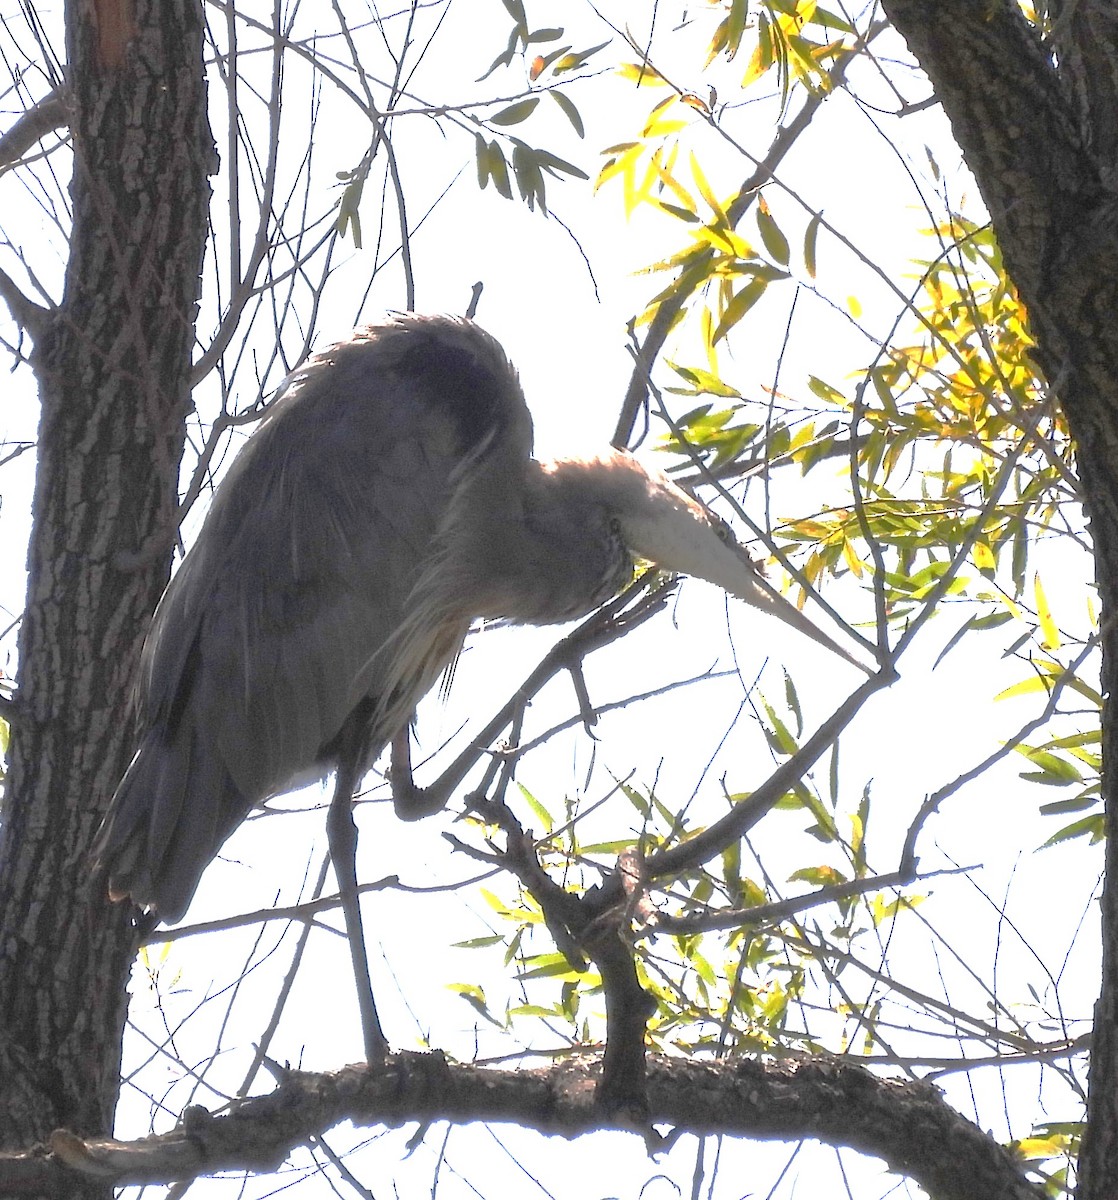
(811, 240)
(1050, 635)
(569, 111)
(762, 57)
(499, 170)
(1032, 1148)
(483, 170)
(642, 74)
(775, 241)
(742, 302)
(823, 876)
(984, 557)
(515, 113)
(707, 192)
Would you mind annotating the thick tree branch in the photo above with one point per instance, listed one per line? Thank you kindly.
(51, 112)
(48, 114)
(25, 312)
(907, 1124)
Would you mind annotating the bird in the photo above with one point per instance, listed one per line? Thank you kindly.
(388, 499)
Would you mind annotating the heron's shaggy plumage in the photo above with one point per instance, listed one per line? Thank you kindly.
(388, 498)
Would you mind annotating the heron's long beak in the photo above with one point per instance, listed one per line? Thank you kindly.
(670, 529)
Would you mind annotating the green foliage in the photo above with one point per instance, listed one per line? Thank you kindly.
(529, 165)
(794, 37)
(542, 72)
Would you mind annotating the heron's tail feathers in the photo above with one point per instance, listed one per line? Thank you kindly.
(169, 816)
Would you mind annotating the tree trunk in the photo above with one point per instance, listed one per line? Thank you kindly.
(1039, 134)
(113, 366)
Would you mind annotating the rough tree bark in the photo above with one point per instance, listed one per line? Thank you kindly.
(1036, 123)
(905, 1123)
(113, 364)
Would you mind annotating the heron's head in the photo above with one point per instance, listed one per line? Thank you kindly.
(660, 522)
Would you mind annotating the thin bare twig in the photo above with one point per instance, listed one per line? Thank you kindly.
(779, 910)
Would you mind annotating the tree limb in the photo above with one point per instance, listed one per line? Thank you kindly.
(49, 113)
(32, 317)
(903, 1122)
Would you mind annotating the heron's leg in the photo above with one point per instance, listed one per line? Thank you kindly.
(341, 833)
(411, 802)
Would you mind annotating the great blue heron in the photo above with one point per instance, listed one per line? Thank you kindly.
(388, 499)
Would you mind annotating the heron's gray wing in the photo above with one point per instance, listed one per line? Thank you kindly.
(279, 620)
(318, 588)
(332, 521)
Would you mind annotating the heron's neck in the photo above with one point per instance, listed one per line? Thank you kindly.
(548, 550)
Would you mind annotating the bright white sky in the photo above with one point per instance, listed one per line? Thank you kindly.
(567, 338)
